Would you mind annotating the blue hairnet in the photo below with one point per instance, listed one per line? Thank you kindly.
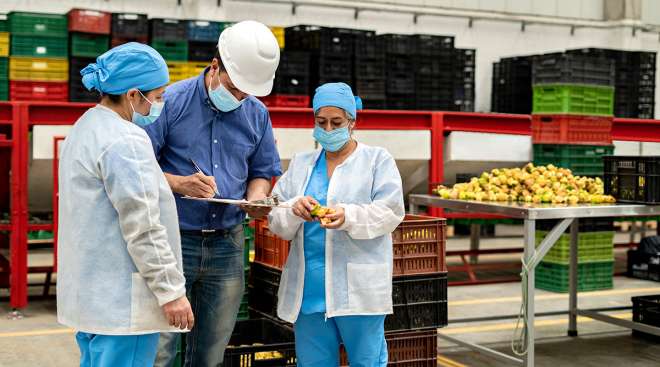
(131, 65)
(337, 95)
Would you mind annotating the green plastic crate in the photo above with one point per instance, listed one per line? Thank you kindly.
(592, 247)
(4, 68)
(591, 276)
(573, 99)
(583, 160)
(89, 45)
(4, 89)
(34, 46)
(38, 24)
(4, 23)
(172, 51)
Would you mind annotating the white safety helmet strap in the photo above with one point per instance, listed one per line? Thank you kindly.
(250, 53)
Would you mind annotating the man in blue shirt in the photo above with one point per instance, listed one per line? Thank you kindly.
(215, 121)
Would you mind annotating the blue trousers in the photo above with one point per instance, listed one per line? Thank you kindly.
(117, 351)
(214, 271)
(318, 340)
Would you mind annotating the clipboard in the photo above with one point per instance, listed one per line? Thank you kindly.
(237, 202)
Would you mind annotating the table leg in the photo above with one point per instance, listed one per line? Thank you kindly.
(475, 233)
(530, 250)
(573, 280)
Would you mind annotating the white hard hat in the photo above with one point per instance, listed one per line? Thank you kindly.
(250, 54)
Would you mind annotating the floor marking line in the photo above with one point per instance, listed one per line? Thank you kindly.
(36, 333)
(447, 362)
(512, 325)
(554, 296)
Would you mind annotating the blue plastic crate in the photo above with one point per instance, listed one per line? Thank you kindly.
(204, 31)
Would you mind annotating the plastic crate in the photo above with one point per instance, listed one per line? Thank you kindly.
(38, 69)
(278, 32)
(433, 45)
(368, 46)
(201, 51)
(321, 40)
(4, 44)
(178, 70)
(285, 100)
(646, 310)
(334, 67)
(370, 69)
(196, 68)
(294, 63)
(4, 23)
(405, 83)
(573, 99)
(263, 283)
(36, 46)
(643, 266)
(89, 21)
(268, 248)
(572, 69)
(399, 44)
(78, 92)
(592, 246)
(419, 245)
(290, 85)
(4, 68)
(633, 179)
(420, 302)
(172, 50)
(89, 45)
(591, 276)
(434, 66)
(168, 30)
(38, 91)
(582, 160)
(261, 343)
(116, 41)
(371, 88)
(130, 25)
(38, 24)
(420, 316)
(374, 104)
(204, 31)
(605, 224)
(408, 349)
(571, 129)
(400, 102)
(4, 90)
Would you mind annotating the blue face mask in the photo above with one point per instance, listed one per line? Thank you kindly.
(154, 112)
(223, 99)
(334, 140)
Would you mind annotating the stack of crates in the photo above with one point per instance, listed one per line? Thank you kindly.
(573, 101)
(512, 85)
(464, 79)
(89, 37)
(400, 66)
(595, 257)
(434, 72)
(291, 84)
(4, 58)
(129, 27)
(203, 39)
(170, 38)
(370, 70)
(419, 286)
(38, 65)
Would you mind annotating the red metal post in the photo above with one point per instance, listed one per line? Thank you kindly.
(18, 259)
(636, 130)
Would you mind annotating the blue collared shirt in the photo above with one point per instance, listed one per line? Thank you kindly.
(234, 147)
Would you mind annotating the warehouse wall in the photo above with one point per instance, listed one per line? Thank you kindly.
(491, 39)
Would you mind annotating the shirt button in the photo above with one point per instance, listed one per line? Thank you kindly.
(215, 165)
(215, 141)
(213, 215)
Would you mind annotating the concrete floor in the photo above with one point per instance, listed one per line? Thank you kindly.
(37, 339)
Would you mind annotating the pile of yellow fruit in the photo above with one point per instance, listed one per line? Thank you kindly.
(530, 184)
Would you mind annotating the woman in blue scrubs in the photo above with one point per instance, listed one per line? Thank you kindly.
(337, 284)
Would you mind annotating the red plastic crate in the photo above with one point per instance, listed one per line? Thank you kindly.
(286, 100)
(116, 41)
(571, 129)
(269, 249)
(408, 349)
(89, 21)
(38, 91)
(419, 245)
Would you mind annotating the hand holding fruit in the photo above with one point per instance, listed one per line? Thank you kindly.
(303, 208)
(332, 218)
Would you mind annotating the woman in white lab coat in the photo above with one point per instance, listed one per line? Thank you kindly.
(336, 286)
(120, 280)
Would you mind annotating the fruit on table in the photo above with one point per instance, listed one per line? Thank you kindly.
(530, 184)
(320, 212)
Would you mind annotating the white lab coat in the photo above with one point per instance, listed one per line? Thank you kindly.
(119, 247)
(358, 256)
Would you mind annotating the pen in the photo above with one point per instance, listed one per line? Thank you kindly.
(199, 170)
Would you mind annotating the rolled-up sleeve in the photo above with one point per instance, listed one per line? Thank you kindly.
(131, 178)
(265, 160)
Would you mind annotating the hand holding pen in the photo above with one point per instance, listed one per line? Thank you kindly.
(198, 185)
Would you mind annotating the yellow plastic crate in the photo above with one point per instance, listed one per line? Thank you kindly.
(38, 69)
(196, 67)
(4, 44)
(178, 70)
(279, 34)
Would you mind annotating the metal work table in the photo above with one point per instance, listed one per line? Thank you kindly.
(530, 213)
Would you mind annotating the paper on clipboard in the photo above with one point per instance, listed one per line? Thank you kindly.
(236, 202)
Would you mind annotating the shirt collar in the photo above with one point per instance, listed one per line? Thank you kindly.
(203, 91)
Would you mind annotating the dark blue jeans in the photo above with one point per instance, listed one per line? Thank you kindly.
(214, 271)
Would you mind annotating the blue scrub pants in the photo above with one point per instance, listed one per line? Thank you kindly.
(318, 340)
(117, 350)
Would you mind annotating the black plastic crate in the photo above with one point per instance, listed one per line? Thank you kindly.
(399, 84)
(334, 67)
(633, 179)
(201, 51)
(572, 68)
(78, 92)
(399, 44)
(205, 31)
(435, 85)
(370, 69)
(466, 56)
(399, 64)
(261, 343)
(434, 65)
(430, 45)
(374, 104)
(291, 84)
(165, 29)
(400, 102)
(419, 289)
(129, 25)
(643, 266)
(263, 283)
(646, 310)
(294, 62)
(370, 88)
(322, 40)
(368, 46)
(445, 104)
(417, 316)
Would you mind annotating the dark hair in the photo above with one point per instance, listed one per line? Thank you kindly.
(116, 98)
(217, 57)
